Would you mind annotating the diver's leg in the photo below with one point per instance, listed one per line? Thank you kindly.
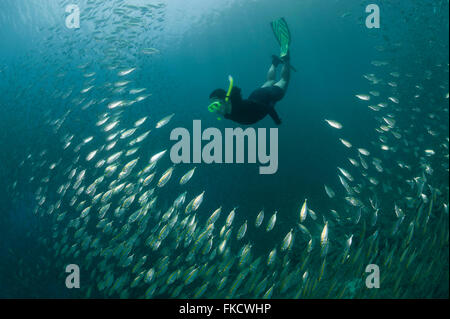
(271, 75)
(285, 76)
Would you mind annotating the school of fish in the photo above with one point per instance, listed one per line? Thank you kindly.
(104, 193)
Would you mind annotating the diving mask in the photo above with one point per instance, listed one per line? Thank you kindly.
(218, 105)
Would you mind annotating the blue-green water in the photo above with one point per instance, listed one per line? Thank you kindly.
(56, 84)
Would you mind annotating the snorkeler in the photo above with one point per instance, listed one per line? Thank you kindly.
(262, 101)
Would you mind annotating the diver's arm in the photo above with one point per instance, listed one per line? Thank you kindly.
(274, 115)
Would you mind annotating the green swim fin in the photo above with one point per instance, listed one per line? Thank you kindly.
(282, 34)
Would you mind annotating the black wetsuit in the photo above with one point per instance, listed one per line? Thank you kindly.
(259, 104)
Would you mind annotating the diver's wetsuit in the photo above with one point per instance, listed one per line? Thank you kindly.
(259, 104)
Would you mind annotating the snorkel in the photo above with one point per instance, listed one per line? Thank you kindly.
(227, 98)
(217, 105)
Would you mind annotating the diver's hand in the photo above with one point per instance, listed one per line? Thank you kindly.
(274, 115)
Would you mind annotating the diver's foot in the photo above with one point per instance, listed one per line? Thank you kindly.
(276, 61)
(286, 58)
